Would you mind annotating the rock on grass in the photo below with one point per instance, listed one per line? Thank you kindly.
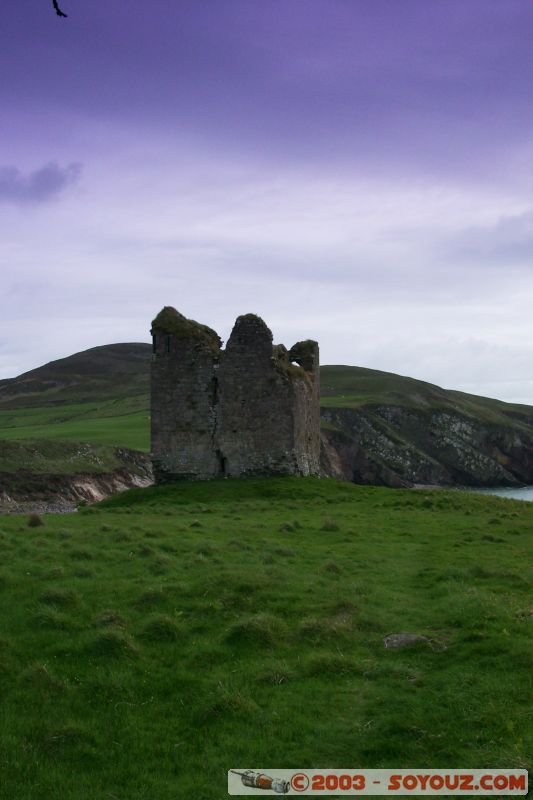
(397, 640)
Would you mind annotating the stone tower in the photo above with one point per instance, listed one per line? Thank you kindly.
(250, 409)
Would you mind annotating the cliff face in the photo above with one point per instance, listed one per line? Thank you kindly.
(23, 490)
(393, 445)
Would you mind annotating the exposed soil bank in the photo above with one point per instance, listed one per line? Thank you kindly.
(23, 491)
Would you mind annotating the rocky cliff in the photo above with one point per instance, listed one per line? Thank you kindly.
(393, 445)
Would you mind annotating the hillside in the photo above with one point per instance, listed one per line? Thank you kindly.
(378, 427)
(113, 371)
(75, 429)
(356, 387)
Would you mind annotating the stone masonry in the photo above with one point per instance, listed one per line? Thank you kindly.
(250, 409)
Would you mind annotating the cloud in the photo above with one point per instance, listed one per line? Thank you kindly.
(363, 265)
(507, 242)
(36, 187)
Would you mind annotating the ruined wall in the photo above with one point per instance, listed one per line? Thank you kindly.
(306, 407)
(247, 410)
(267, 413)
(183, 398)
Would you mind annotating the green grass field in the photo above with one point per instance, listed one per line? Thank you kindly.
(152, 642)
(118, 423)
(130, 430)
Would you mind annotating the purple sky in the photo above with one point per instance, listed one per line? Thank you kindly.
(356, 171)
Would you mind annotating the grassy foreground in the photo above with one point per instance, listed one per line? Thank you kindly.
(152, 642)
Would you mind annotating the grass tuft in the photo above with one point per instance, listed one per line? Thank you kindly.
(51, 618)
(63, 598)
(275, 674)
(113, 643)
(329, 524)
(38, 678)
(332, 567)
(81, 554)
(109, 618)
(161, 628)
(151, 598)
(229, 704)
(324, 629)
(331, 664)
(257, 630)
(66, 741)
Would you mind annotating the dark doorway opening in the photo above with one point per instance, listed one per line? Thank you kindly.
(222, 464)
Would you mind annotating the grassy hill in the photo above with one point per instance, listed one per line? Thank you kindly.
(154, 641)
(113, 371)
(102, 395)
(387, 428)
(358, 387)
(97, 398)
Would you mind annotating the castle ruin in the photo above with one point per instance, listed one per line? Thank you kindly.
(251, 409)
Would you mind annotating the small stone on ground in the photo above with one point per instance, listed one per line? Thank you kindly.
(404, 639)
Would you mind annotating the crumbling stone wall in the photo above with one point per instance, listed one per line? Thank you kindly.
(246, 410)
(183, 398)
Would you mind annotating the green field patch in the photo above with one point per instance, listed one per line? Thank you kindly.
(49, 457)
(128, 430)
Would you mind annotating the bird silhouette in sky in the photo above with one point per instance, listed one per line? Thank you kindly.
(58, 10)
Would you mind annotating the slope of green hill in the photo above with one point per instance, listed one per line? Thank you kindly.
(357, 387)
(97, 399)
(113, 371)
(70, 430)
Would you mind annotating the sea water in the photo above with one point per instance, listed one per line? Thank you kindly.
(523, 493)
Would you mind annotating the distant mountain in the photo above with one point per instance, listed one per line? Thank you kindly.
(378, 427)
(107, 372)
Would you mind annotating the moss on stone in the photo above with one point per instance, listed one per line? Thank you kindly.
(172, 322)
(304, 353)
(280, 352)
(251, 333)
(283, 359)
(251, 323)
(292, 371)
(251, 318)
